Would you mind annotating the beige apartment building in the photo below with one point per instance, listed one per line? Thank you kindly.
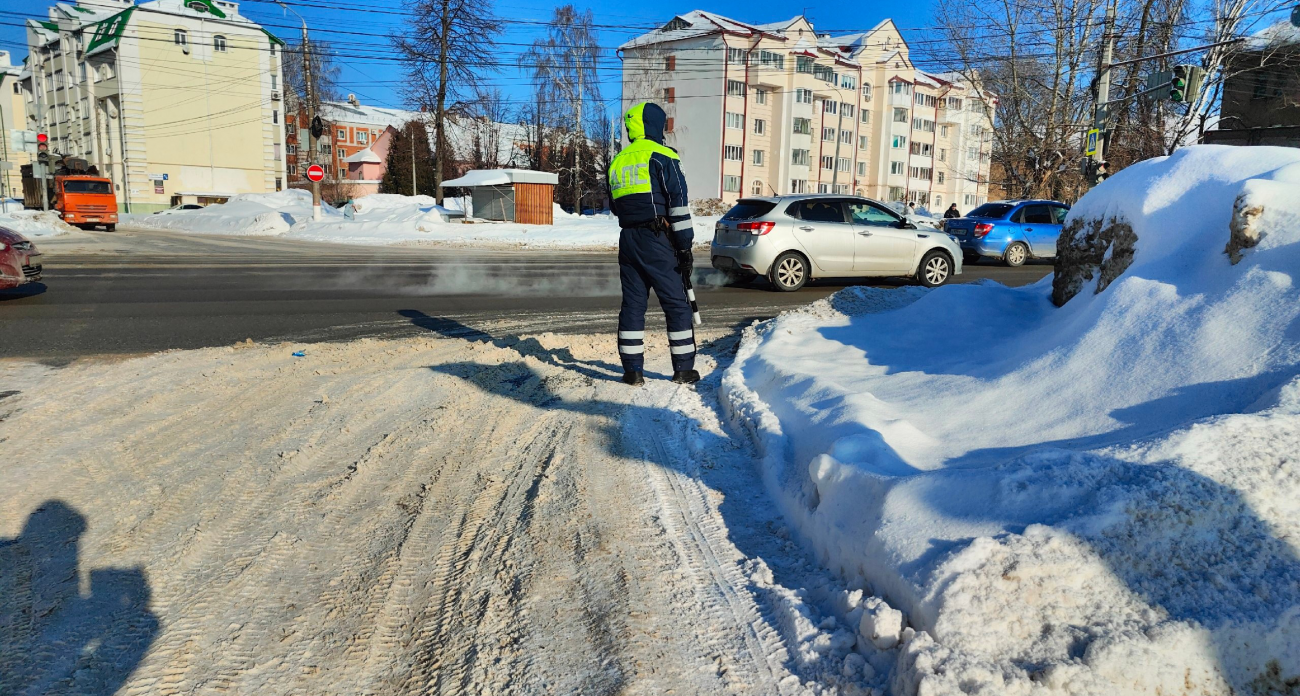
(769, 109)
(13, 114)
(177, 101)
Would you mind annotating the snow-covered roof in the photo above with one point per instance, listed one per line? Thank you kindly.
(697, 23)
(503, 177)
(364, 114)
(1280, 34)
(366, 156)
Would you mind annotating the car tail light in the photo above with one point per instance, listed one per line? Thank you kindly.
(756, 228)
(982, 229)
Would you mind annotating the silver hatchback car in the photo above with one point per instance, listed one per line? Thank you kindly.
(791, 239)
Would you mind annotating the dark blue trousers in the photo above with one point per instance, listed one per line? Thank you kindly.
(646, 260)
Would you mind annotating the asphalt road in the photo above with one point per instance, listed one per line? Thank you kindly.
(136, 292)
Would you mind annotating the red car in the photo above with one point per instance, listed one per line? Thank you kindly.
(20, 261)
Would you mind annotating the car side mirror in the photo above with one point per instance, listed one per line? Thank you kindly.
(905, 225)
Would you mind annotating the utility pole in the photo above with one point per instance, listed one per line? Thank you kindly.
(39, 167)
(578, 140)
(311, 111)
(410, 126)
(1101, 108)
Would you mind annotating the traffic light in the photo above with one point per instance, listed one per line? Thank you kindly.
(42, 142)
(1185, 84)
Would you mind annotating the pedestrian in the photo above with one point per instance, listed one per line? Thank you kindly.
(951, 212)
(911, 207)
(648, 194)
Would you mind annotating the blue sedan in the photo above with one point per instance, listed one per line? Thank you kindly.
(1012, 231)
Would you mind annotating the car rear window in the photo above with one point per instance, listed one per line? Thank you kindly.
(748, 210)
(991, 210)
(86, 187)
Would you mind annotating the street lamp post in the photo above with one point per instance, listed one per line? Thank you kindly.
(311, 110)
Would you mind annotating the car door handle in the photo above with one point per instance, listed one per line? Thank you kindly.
(806, 229)
(865, 233)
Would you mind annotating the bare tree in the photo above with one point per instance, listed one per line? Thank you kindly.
(563, 65)
(448, 44)
(325, 74)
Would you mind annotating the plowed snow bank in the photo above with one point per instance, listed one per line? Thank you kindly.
(1101, 498)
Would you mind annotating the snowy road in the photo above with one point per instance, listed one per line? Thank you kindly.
(468, 514)
(138, 292)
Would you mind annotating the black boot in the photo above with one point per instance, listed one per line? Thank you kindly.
(633, 378)
(686, 376)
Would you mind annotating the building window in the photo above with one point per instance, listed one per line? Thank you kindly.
(756, 189)
(940, 176)
(900, 142)
(866, 92)
(829, 107)
(670, 63)
(842, 164)
(340, 152)
(846, 137)
(219, 44)
(803, 125)
(954, 103)
(293, 170)
(279, 183)
(895, 193)
(924, 173)
(896, 167)
(824, 73)
(735, 120)
(363, 137)
(670, 95)
(758, 158)
(841, 188)
(772, 60)
(291, 148)
(943, 154)
(923, 124)
(760, 96)
(828, 135)
(828, 162)
(922, 149)
(823, 188)
(730, 183)
(272, 49)
(901, 88)
(290, 129)
(943, 131)
(862, 142)
(275, 116)
(803, 64)
(803, 96)
(733, 153)
(900, 115)
(862, 168)
(181, 38)
(799, 157)
(760, 126)
(798, 186)
(735, 88)
(847, 110)
(343, 136)
(926, 100)
(736, 56)
(668, 125)
(866, 116)
(848, 82)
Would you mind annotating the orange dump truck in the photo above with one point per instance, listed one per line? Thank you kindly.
(77, 192)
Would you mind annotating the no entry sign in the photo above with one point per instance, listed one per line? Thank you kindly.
(315, 172)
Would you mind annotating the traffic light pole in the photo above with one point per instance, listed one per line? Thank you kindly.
(311, 110)
(1101, 109)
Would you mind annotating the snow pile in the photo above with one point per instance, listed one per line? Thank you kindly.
(1097, 498)
(34, 223)
(389, 219)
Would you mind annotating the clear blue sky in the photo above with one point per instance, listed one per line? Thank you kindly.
(359, 31)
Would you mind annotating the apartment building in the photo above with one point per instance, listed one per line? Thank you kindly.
(767, 109)
(13, 114)
(177, 101)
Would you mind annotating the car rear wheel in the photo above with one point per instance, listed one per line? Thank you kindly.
(935, 270)
(1016, 255)
(110, 228)
(789, 271)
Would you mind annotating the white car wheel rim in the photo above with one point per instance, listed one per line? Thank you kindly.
(790, 272)
(936, 271)
(1017, 254)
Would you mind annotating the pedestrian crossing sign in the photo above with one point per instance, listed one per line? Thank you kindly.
(1090, 147)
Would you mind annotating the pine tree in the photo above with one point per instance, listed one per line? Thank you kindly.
(397, 174)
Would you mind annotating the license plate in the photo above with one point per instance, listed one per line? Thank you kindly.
(90, 219)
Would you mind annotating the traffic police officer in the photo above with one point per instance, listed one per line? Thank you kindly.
(648, 194)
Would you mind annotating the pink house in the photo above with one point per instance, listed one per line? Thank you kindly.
(366, 167)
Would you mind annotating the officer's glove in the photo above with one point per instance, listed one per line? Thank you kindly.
(685, 261)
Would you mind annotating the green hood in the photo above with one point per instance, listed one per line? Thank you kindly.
(645, 120)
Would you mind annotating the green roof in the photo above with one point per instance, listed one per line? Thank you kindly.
(51, 26)
(81, 9)
(109, 31)
(205, 6)
(274, 39)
